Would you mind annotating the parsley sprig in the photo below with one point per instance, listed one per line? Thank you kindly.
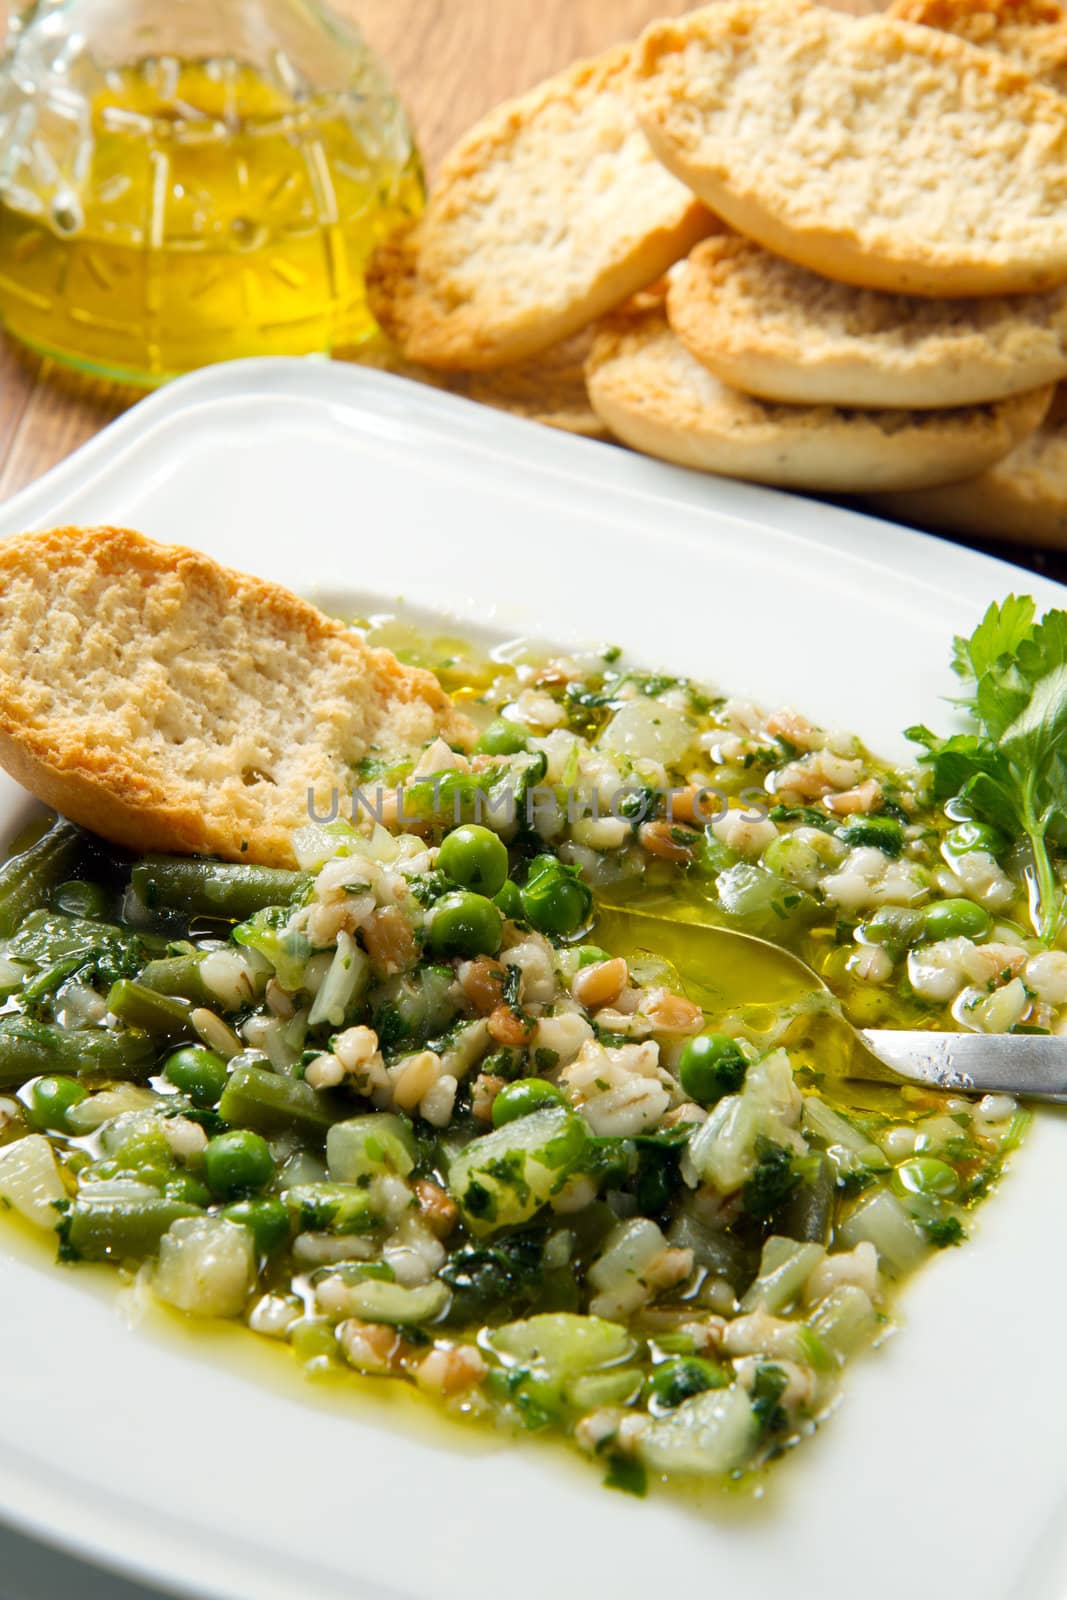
(1011, 771)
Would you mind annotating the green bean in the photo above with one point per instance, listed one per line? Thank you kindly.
(255, 1097)
(117, 1228)
(213, 888)
(30, 1049)
(808, 1212)
(178, 975)
(26, 880)
(161, 1015)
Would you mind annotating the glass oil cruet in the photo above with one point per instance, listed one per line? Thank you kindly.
(188, 181)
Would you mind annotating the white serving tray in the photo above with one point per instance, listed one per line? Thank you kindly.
(179, 1461)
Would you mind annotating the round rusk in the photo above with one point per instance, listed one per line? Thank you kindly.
(658, 398)
(875, 151)
(777, 330)
(548, 388)
(1022, 498)
(548, 213)
(1031, 32)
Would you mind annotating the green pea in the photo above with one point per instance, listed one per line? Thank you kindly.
(79, 899)
(928, 1176)
(883, 833)
(51, 1099)
(590, 954)
(947, 919)
(154, 1173)
(183, 1186)
(465, 924)
(555, 900)
(237, 1162)
(502, 738)
(475, 858)
(895, 928)
(974, 836)
(509, 901)
(519, 1099)
(266, 1220)
(197, 1072)
(676, 1380)
(711, 1065)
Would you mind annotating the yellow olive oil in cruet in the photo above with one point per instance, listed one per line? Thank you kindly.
(193, 181)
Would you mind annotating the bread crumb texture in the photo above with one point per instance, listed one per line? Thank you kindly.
(870, 149)
(549, 212)
(1022, 498)
(1031, 32)
(169, 703)
(658, 398)
(778, 330)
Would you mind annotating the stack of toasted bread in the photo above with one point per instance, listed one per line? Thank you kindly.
(779, 243)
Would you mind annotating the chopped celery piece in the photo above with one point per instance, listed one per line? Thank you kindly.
(563, 1342)
(845, 1320)
(784, 1267)
(711, 1434)
(288, 951)
(617, 1387)
(343, 986)
(761, 901)
(882, 1219)
(376, 1301)
(368, 1146)
(501, 1179)
(832, 1129)
(724, 1150)
(560, 1360)
(206, 1268)
(333, 1207)
(30, 1180)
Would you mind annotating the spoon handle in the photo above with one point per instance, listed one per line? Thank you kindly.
(1033, 1066)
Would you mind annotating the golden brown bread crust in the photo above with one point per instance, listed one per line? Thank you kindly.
(1022, 498)
(868, 149)
(1032, 32)
(549, 212)
(169, 703)
(659, 399)
(773, 329)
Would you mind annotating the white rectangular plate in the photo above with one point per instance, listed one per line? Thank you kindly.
(943, 1471)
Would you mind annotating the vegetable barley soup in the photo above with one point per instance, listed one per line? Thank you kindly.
(403, 1111)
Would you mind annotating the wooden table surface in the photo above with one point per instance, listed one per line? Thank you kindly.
(451, 60)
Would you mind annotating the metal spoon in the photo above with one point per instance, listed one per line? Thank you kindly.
(725, 970)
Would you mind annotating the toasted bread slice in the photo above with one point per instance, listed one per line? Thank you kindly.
(871, 150)
(548, 213)
(658, 398)
(1032, 32)
(779, 331)
(1022, 498)
(548, 388)
(168, 703)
